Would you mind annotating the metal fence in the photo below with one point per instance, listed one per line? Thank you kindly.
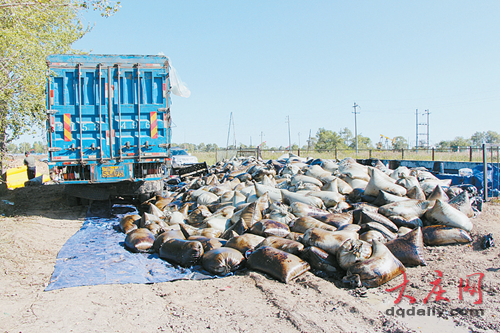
(457, 154)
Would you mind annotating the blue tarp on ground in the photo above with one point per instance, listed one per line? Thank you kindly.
(477, 178)
(492, 176)
(458, 180)
(96, 255)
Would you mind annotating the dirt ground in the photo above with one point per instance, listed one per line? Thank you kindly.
(39, 222)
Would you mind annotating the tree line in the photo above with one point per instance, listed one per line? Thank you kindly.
(36, 147)
(323, 140)
(476, 140)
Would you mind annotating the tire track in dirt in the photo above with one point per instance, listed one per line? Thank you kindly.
(299, 321)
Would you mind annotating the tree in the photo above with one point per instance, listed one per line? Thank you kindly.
(478, 138)
(211, 147)
(188, 146)
(39, 147)
(201, 147)
(328, 139)
(399, 143)
(24, 147)
(455, 144)
(492, 137)
(107, 8)
(311, 143)
(12, 148)
(459, 141)
(443, 144)
(363, 143)
(346, 135)
(29, 31)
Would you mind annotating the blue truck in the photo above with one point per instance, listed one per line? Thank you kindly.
(108, 124)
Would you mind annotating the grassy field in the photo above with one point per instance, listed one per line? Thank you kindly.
(464, 155)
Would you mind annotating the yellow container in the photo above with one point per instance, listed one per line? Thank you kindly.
(15, 171)
(16, 177)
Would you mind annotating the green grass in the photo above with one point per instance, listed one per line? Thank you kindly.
(208, 157)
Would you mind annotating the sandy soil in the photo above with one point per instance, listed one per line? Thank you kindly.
(34, 229)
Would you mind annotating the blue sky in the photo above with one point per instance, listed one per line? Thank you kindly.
(311, 61)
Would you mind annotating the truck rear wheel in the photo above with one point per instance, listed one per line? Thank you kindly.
(72, 201)
(144, 197)
(142, 191)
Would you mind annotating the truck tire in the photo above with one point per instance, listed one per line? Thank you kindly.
(72, 201)
(144, 197)
(100, 192)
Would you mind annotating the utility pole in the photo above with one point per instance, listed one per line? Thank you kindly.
(309, 142)
(428, 143)
(416, 130)
(261, 140)
(356, 125)
(289, 137)
(299, 140)
(229, 130)
(427, 124)
(234, 134)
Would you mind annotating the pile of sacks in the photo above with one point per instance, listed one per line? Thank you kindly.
(286, 216)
